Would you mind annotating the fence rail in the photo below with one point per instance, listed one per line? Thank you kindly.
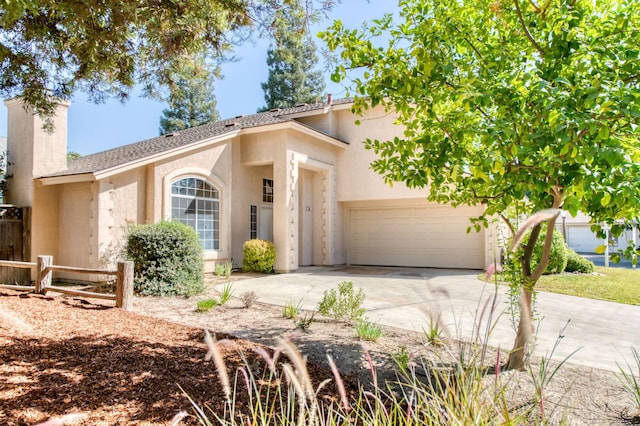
(124, 280)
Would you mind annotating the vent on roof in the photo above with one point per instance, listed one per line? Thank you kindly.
(302, 105)
(238, 116)
(232, 124)
(275, 110)
(168, 135)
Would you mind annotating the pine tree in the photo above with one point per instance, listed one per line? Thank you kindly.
(292, 60)
(191, 99)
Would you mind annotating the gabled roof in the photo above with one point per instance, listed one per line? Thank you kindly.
(222, 129)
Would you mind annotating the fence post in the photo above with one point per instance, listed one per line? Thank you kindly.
(124, 286)
(43, 280)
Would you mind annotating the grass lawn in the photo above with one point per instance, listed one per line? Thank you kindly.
(613, 284)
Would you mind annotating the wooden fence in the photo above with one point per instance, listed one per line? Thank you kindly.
(124, 280)
(15, 232)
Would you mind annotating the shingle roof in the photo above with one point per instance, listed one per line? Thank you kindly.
(136, 151)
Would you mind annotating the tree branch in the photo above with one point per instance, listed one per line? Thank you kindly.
(525, 29)
(508, 223)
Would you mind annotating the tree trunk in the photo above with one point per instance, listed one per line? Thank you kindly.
(518, 357)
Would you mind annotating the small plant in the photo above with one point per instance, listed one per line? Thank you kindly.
(291, 310)
(224, 269)
(433, 334)
(248, 297)
(303, 320)
(226, 293)
(259, 256)
(368, 330)
(343, 305)
(205, 305)
(543, 377)
(631, 381)
(401, 358)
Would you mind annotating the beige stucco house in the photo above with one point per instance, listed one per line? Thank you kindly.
(299, 177)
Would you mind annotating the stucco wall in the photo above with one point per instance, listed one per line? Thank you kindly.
(247, 191)
(121, 202)
(213, 164)
(356, 180)
(75, 218)
(33, 151)
(45, 214)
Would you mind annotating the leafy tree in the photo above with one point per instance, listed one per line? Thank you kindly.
(292, 60)
(72, 155)
(51, 48)
(191, 99)
(507, 101)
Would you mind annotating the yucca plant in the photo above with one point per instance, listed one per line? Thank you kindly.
(226, 293)
(291, 309)
(630, 380)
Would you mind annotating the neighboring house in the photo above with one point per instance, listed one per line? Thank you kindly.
(299, 177)
(578, 235)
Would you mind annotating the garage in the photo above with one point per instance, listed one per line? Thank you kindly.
(581, 239)
(421, 236)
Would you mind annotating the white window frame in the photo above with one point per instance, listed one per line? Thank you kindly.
(205, 209)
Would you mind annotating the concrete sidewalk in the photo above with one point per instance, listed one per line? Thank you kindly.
(601, 332)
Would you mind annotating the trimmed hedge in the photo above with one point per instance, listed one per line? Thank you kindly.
(259, 256)
(168, 259)
(577, 263)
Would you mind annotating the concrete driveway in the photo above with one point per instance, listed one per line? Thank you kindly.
(601, 332)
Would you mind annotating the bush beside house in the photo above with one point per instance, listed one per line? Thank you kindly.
(168, 259)
(259, 256)
(557, 257)
(577, 263)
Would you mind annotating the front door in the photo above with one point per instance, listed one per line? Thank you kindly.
(266, 223)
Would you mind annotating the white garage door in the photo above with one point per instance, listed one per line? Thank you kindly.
(434, 236)
(581, 239)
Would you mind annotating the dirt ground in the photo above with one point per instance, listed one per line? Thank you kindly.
(63, 355)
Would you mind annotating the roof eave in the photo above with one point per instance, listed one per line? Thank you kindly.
(298, 127)
(163, 155)
(74, 178)
(319, 111)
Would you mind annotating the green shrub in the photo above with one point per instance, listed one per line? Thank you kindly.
(259, 256)
(557, 257)
(168, 259)
(577, 263)
(344, 304)
(206, 305)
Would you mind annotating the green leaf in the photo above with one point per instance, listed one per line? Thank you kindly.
(601, 249)
(603, 132)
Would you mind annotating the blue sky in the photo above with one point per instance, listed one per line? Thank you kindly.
(96, 127)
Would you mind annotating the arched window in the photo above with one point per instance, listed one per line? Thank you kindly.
(196, 203)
